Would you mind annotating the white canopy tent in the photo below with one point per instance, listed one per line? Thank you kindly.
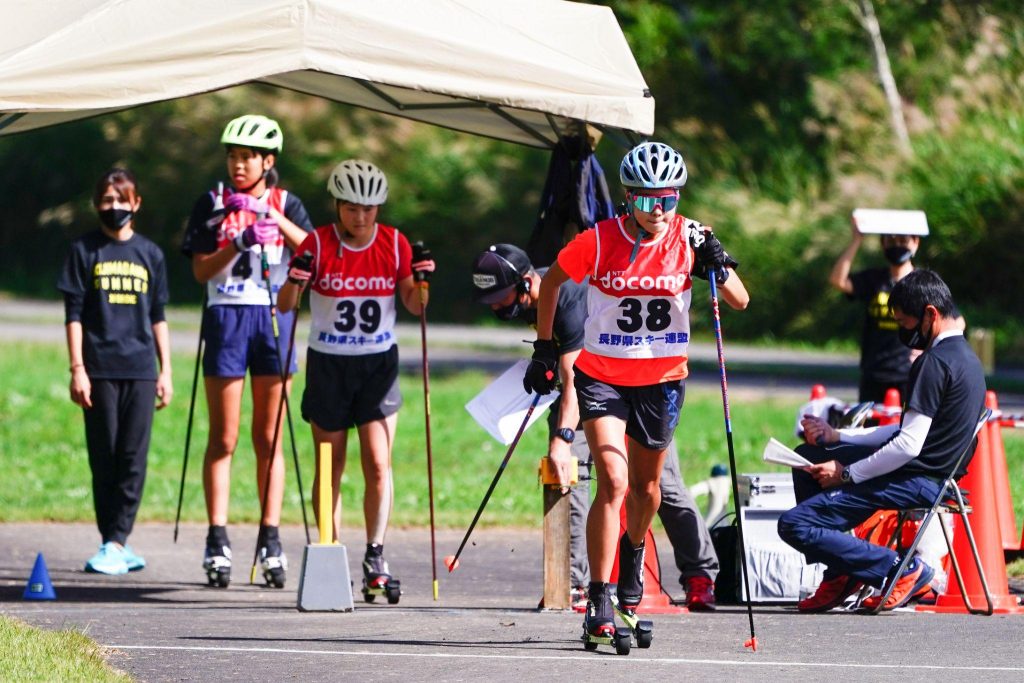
(515, 70)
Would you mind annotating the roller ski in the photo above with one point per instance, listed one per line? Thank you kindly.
(631, 591)
(377, 580)
(273, 562)
(599, 621)
(217, 560)
(274, 565)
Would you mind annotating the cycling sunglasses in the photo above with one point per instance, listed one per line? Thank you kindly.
(647, 203)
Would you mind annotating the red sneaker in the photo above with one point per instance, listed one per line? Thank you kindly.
(830, 594)
(700, 594)
(914, 583)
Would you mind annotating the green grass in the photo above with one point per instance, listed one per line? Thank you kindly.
(46, 472)
(31, 654)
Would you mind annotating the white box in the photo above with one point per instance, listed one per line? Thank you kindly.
(776, 571)
(769, 490)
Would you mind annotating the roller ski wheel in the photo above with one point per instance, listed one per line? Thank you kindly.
(619, 638)
(642, 629)
(391, 589)
(217, 565)
(273, 566)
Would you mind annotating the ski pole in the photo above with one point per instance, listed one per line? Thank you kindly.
(453, 560)
(265, 272)
(214, 222)
(191, 413)
(423, 285)
(712, 274)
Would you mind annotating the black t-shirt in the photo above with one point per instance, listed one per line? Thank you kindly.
(199, 239)
(117, 290)
(570, 314)
(883, 358)
(566, 330)
(947, 384)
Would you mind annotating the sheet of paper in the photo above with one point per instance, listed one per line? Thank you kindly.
(501, 407)
(890, 222)
(780, 454)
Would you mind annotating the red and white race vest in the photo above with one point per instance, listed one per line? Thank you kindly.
(352, 291)
(242, 281)
(640, 309)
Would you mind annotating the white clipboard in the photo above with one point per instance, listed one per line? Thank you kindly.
(778, 453)
(502, 405)
(890, 222)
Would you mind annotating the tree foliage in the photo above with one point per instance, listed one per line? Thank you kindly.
(774, 103)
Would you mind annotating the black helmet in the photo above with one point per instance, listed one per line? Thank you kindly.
(499, 269)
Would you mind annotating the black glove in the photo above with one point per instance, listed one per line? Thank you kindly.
(710, 254)
(542, 372)
(422, 262)
(300, 269)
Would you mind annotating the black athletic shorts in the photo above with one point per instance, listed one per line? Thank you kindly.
(651, 412)
(347, 391)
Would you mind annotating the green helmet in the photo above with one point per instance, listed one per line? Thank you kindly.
(253, 130)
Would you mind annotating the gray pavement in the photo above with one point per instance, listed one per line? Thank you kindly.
(163, 624)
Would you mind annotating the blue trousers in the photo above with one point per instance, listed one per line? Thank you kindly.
(819, 523)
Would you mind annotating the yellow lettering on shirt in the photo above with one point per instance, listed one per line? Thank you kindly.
(121, 276)
(116, 298)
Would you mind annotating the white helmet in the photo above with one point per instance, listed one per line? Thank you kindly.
(358, 182)
(652, 165)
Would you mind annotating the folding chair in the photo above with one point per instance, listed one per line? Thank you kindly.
(950, 499)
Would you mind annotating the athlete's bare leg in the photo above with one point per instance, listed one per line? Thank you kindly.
(266, 399)
(339, 445)
(644, 496)
(376, 439)
(607, 437)
(224, 399)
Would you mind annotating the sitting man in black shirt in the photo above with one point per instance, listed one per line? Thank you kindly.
(892, 467)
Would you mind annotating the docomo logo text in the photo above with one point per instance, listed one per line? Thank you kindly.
(670, 283)
(337, 283)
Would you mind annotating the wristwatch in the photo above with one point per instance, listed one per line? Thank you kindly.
(845, 476)
(567, 435)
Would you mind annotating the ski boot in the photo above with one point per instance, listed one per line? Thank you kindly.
(630, 591)
(217, 558)
(376, 578)
(273, 562)
(599, 621)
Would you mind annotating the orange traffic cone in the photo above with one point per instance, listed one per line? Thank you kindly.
(984, 524)
(1000, 477)
(891, 408)
(656, 600)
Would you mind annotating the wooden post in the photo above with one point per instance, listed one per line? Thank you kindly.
(556, 538)
(556, 548)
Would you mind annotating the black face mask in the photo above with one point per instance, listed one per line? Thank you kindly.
(914, 338)
(115, 219)
(897, 255)
(511, 312)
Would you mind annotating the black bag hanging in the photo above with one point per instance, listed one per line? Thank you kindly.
(575, 197)
(725, 539)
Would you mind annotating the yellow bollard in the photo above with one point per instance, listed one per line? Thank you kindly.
(326, 521)
(325, 585)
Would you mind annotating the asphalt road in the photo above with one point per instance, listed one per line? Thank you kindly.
(164, 624)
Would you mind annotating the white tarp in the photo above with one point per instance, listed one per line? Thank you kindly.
(517, 70)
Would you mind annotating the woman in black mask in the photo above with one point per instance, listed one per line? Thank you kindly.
(115, 287)
(884, 360)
